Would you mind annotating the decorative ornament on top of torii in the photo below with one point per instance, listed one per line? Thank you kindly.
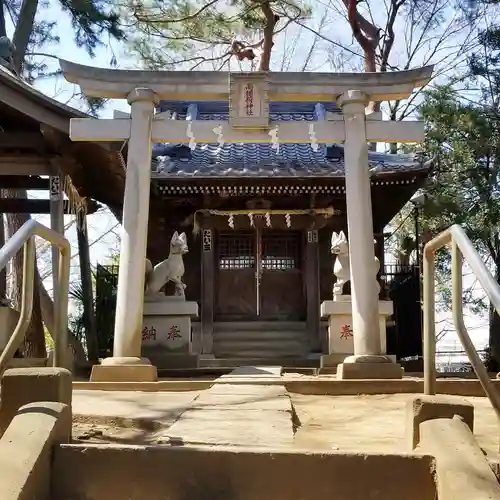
(249, 122)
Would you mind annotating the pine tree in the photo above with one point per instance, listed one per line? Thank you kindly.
(194, 34)
(464, 138)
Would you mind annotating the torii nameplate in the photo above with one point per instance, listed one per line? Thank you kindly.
(248, 101)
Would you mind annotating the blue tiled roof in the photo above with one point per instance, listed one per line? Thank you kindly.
(260, 160)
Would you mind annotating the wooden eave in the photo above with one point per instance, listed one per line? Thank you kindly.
(181, 186)
(96, 170)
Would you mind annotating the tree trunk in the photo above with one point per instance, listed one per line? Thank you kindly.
(3, 31)
(34, 343)
(47, 306)
(267, 46)
(88, 295)
(24, 28)
(3, 272)
(494, 332)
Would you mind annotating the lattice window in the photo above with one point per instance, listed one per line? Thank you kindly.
(236, 251)
(281, 251)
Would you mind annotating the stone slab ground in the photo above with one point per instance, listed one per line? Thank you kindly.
(126, 416)
(375, 423)
(247, 415)
(224, 414)
(243, 415)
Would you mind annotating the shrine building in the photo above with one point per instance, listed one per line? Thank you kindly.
(259, 219)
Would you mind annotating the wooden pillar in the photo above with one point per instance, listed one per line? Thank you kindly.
(3, 272)
(88, 294)
(312, 290)
(207, 291)
(57, 224)
(379, 249)
(379, 253)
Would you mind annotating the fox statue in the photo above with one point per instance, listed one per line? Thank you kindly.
(342, 267)
(170, 269)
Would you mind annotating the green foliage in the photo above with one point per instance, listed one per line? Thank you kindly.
(76, 319)
(91, 20)
(463, 137)
(464, 140)
(195, 32)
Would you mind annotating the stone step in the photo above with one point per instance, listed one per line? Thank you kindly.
(263, 343)
(286, 362)
(245, 342)
(259, 352)
(190, 472)
(259, 326)
(263, 335)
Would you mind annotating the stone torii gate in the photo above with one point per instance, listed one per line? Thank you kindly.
(249, 122)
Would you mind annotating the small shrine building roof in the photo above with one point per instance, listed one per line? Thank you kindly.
(237, 160)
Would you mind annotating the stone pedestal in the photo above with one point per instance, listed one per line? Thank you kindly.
(340, 329)
(167, 332)
(124, 369)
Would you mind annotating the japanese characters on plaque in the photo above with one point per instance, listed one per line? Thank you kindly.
(55, 188)
(312, 236)
(346, 332)
(174, 332)
(207, 240)
(149, 333)
(248, 101)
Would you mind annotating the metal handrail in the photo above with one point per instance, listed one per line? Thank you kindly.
(461, 247)
(25, 237)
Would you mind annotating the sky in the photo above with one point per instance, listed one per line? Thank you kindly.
(290, 53)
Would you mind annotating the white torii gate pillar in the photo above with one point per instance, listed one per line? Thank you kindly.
(367, 361)
(126, 363)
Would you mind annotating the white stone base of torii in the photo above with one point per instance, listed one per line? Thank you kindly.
(249, 95)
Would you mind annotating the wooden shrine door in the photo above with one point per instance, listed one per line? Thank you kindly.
(259, 276)
(282, 296)
(235, 287)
